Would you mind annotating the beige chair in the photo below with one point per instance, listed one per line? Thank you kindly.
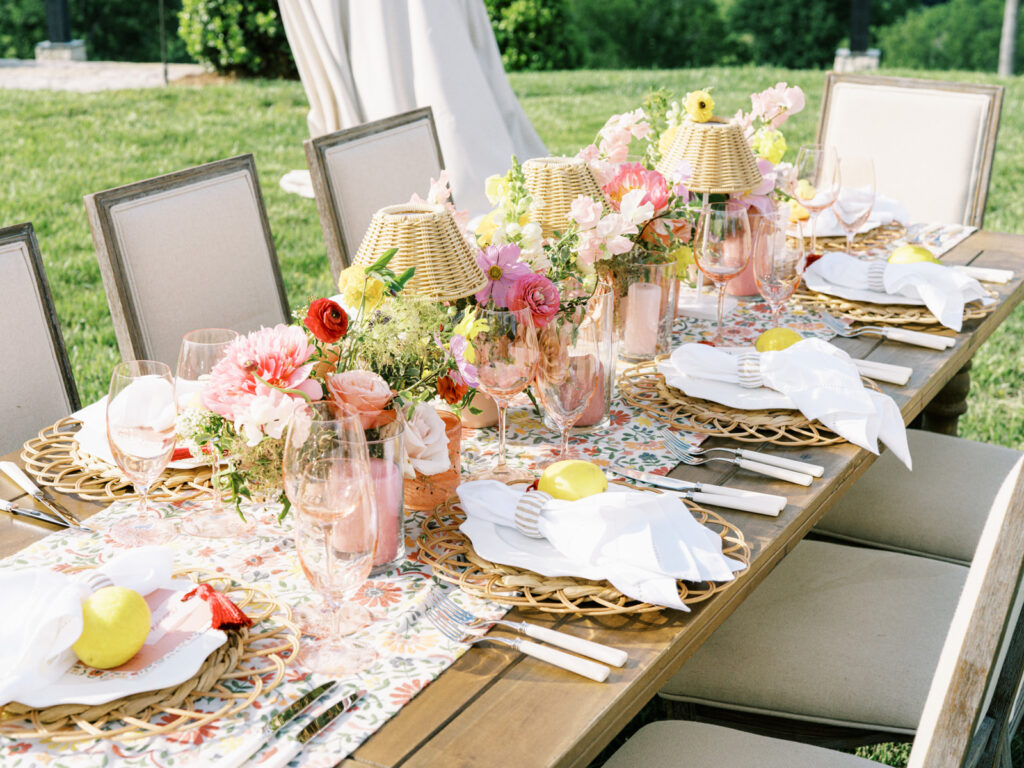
(37, 387)
(843, 635)
(188, 250)
(851, 637)
(932, 142)
(360, 170)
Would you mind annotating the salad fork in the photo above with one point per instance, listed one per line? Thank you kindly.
(916, 338)
(804, 467)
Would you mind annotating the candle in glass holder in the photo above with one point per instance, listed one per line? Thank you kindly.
(387, 491)
(643, 311)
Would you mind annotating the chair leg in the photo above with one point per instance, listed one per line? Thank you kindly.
(944, 411)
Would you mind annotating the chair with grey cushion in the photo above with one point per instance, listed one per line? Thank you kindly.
(848, 636)
(187, 250)
(932, 142)
(358, 171)
(38, 387)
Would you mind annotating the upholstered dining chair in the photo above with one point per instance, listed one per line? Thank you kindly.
(191, 249)
(38, 387)
(932, 142)
(849, 640)
(359, 170)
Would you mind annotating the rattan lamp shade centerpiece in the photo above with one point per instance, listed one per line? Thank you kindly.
(718, 154)
(428, 239)
(554, 182)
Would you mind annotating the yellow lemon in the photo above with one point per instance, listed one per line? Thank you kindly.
(572, 479)
(776, 339)
(911, 254)
(797, 212)
(115, 623)
(805, 190)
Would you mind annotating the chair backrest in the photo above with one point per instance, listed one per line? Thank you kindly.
(188, 250)
(38, 387)
(932, 142)
(359, 170)
(968, 706)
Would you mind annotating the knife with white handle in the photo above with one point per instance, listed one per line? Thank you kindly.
(35, 514)
(23, 481)
(919, 339)
(613, 656)
(583, 667)
(287, 748)
(799, 478)
(805, 467)
(760, 506)
(777, 503)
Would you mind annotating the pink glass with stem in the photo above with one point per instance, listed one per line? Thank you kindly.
(779, 261)
(722, 248)
(815, 182)
(856, 197)
(141, 412)
(506, 359)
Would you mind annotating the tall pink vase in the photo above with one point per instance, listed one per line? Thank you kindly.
(744, 284)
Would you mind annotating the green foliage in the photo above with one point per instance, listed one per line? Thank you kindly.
(960, 34)
(791, 33)
(22, 25)
(534, 35)
(237, 37)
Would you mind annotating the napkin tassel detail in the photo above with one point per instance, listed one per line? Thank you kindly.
(226, 615)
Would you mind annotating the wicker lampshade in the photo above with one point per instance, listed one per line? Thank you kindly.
(554, 182)
(428, 239)
(720, 157)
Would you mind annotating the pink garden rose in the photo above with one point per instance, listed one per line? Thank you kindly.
(426, 441)
(538, 294)
(362, 393)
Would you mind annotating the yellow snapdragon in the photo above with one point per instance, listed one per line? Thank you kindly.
(770, 144)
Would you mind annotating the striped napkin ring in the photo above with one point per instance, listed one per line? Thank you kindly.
(748, 369)
(97, 580)
(527, 517)
(876, 276)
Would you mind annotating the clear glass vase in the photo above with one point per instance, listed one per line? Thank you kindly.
(645, 297)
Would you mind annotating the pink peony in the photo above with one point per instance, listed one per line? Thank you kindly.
(538, 294)
(502, 266)
(633, 176)
(279, 356)
(362, 393)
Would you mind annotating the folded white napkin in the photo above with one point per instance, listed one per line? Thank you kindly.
(42, 612)
(92, 437)
(884, 211)
(819, 379)
(943, 290)
(641, 542)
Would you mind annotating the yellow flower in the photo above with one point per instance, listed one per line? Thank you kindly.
(665, 142)
(485, 229)
(356, 288)
(699, 106)
(496, 187)
(468, 327)
(684, 258)
(770, 144)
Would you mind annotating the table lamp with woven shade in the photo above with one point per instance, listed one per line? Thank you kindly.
(554, 182)
(428, 239)
(718, 154)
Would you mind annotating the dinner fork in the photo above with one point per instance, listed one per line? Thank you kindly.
(458, 633)
(445, 605)
(917, 338)
(804, 467)
(684, 455)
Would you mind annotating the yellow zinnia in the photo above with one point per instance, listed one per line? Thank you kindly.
(699, 106)
(358, 289)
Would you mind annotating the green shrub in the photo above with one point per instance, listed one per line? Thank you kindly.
(237, 36)
(534, 35)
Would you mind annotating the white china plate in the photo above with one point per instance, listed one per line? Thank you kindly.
(724, 393)
(501, 544)
(819, 284)
(92, 437)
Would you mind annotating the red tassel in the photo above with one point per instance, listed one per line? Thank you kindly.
(226, 615)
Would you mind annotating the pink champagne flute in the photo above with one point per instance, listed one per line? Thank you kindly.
(722, 249)
(778, 262)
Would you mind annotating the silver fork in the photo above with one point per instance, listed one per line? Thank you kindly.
(917, 338)
(683, 455)
(677, 444)
(458, 633)
(446, 606)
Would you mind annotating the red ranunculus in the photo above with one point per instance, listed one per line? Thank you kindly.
(326, 320)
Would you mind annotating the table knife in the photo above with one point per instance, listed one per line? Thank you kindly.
(255, 743)
(23, 481)
(290, 746)
(673, 484)
(6, 506)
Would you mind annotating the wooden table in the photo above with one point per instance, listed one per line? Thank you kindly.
(495, 707)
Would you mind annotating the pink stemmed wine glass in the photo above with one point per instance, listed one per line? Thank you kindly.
(722, 249)
(778, 262)
(815, 182)
(506, 359)
(856, 198)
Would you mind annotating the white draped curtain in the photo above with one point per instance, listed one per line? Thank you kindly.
(363, 60)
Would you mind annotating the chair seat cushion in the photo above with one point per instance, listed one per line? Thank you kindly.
(674, 744)
(938, 510)
(835, 634)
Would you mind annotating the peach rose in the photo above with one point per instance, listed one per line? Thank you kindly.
(363, 393)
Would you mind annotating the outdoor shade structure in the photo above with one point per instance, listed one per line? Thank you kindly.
(362, 61)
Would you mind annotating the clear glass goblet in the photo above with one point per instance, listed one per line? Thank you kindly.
(722, 249)
(815, 182)
(779, 262)
(856, 197)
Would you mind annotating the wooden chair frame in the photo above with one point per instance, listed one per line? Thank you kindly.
(979, 193)
(340, 251)
(112, 259)
(24, 233)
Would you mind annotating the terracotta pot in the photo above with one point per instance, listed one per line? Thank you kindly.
(425, 492)
(488, 415)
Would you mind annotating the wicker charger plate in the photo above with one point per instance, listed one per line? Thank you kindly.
(907, 315)
(450, 553)
(54, 459)
(879, 237)
(644, 387)
(250, 663)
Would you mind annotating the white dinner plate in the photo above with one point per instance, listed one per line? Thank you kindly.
(724, 393)
(92, 437)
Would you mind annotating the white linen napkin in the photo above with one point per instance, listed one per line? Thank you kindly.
(641, 542)
(943, 290)
(42, 612)
(818, 378)
(884, 211)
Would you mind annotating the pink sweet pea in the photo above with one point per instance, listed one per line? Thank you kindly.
(585, 211)
(775, 105)
(757, 197)
(503, 268)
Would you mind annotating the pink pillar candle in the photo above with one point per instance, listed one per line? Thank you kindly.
(387, 491)
(643, 312)
(598, 404)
